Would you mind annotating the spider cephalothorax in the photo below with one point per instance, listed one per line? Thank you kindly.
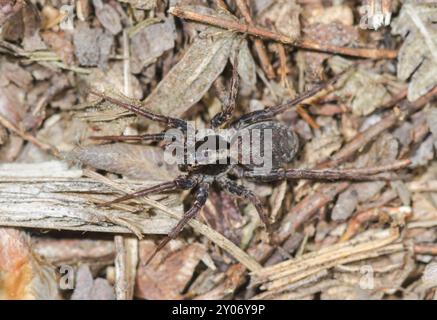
(254, 136)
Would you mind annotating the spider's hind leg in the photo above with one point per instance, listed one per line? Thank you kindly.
(352, 174)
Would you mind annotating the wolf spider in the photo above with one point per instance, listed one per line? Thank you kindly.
(202, 176)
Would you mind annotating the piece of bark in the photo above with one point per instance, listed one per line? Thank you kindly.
(47, 197)
(188, 81)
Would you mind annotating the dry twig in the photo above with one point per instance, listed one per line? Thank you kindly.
(266, 34)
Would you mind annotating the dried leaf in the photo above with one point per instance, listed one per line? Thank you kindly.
(258, 6)
(61, 44)
(26, 22)
(13, 29)
(334, 33)
(91, 46)
(383, 151)
(176, 259)
(345, 205)
(141, 4)
(363, 92)
(134, 161)
(246, 65)
(418, 55)
(108, 16)
(424, 207)
(8, 8)
(193, 75)
(326, 140)
(337, 13)
(404, 133)
(233, 278)
(113, 80)
(284, 15)
(425, 203)
(87, 288)
(11, 106)
(368, 97)
(150, 43)
(424, 153)
(429, 276)
(224, 216)
(14, 80)
(402, 191)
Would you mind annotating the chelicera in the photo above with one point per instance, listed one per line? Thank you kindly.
(201, 176)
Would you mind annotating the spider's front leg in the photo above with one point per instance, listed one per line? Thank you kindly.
(269, 113)
(359, 174)
(152, 137)
(169, 121)
(200, 199)
(229, 105)
(183, 182)
(240, 191)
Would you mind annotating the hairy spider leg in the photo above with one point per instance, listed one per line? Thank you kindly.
(269, 113)
(169, 121)
(144, 137)
(230, 103)
(356, 174)
(183, 182)
(241, 192)
(200, 199)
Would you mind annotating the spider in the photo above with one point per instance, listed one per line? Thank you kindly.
(200, 176)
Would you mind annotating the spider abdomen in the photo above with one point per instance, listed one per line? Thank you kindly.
(272, 144)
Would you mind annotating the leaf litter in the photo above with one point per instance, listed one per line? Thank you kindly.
(380, 111)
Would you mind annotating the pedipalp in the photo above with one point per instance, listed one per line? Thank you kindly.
(229, 106)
